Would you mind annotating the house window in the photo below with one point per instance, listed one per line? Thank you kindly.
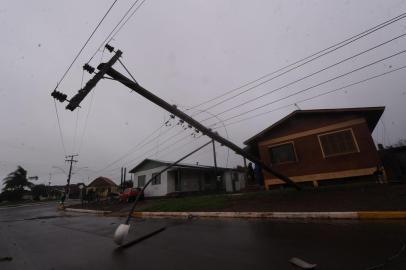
(156, 179)
(282, 153)
(338, 143)
(141, 180)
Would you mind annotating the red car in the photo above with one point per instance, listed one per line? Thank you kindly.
(130, 194)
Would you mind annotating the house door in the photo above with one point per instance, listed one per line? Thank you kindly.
(178, 182)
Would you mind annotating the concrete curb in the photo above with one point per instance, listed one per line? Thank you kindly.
(88, 211)
(278, 215)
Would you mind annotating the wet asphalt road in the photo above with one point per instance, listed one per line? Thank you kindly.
(39, 237)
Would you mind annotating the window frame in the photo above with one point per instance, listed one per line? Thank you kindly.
(153, 176)
(338, 154)
(285, 162)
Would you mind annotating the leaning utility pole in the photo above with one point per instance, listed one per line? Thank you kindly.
(71, 161)
(107, 69)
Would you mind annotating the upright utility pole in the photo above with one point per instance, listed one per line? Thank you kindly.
(71, 161)
(214, 157)
(124, 177)
(121, 179)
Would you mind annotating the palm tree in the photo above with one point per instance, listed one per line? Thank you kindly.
(15, 183)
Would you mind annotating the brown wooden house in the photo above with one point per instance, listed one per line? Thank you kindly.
(323, 144)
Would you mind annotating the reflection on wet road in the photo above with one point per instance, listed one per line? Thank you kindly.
(39, 237)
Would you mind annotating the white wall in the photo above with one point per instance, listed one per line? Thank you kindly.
(191, 180)
(239, 182)
(153, 190)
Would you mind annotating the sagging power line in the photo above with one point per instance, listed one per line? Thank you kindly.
(319, 84)
(303, 78)
(107, 69)
(305, 60)
(309, 98)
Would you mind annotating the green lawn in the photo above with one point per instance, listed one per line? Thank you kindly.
(358, 196)
(195, 203)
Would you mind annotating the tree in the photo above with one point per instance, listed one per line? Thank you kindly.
(39, 191)
(15, 184)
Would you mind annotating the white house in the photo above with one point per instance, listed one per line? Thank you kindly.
(234, 180)
(184, 178)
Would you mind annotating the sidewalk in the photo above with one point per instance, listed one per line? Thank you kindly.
(355, 202)
(278, 215)
(362, 215)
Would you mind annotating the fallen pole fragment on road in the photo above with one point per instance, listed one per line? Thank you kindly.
(142, 238)
(302, 264)
(122, 230)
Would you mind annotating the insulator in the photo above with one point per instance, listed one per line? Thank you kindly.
(88, 68)
(61, 97)
(109, 48)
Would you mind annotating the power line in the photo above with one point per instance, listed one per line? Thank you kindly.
(129, 17)
(224, 126)
(143, 142)
(183, 145)
(153, 148)
(87, 41)
(370, 30)
(166, 148)
(310, 98)
(312, 57)
(60, 129)
(76, 129)
(140, 145)
(345, 42)
(356, 55)
(302, 78)
(86, 120)
(112, 31)
(319, 84)
(245, 119)
(77, 115)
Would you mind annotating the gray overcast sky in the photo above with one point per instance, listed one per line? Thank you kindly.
(186, 52)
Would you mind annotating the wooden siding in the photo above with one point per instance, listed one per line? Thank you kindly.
(311, 164)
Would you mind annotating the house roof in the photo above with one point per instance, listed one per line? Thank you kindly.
(102, 181)
(371, 114)
(153, 163)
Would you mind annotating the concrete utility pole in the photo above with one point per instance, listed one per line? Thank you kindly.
(124, 178)
(107, 69)
(121, 179)
(71, 161)
(214, 158)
